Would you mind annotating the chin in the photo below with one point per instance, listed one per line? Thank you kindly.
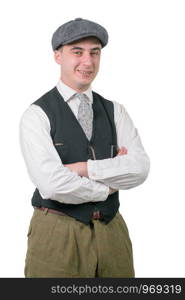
(84, 83)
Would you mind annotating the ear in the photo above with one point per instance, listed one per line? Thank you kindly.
(58, 57)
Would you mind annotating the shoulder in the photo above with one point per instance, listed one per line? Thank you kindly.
(46, 98)
(100, 97)
(119, 108)
(34, 115)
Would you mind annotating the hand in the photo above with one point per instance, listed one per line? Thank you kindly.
(112, 191)
(122, 151)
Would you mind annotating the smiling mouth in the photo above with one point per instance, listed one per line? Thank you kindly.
(85, 73)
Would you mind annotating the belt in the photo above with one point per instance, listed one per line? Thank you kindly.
(95, 216)
(53, 211)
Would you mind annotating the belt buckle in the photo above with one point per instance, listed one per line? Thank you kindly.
(96, 215)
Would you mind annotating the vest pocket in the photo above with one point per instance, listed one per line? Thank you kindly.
(59, 144)
(62, 149)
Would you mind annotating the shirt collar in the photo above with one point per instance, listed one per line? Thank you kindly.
(68, 93)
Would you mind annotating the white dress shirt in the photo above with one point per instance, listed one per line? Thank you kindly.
(56, 182)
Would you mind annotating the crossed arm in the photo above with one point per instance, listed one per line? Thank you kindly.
(81, 167)
(89, 180)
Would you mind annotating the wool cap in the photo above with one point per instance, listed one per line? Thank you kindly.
(77, 29)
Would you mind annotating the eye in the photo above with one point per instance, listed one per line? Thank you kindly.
(78, 53)
(95, 53)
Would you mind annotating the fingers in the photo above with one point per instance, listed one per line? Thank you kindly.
(122, 151)
(112, 191)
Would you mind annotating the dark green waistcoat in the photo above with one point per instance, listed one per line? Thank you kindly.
(73, 146)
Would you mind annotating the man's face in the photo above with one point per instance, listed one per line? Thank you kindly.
(79, 63)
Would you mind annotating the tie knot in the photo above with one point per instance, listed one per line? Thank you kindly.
(82, 97)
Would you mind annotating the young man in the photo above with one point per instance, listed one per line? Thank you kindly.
(79, 149)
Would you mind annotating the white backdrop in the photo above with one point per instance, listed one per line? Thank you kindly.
(143, 67)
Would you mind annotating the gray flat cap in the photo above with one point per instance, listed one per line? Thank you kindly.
(78, 29)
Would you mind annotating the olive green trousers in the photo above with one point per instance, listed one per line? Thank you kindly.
(62, 247)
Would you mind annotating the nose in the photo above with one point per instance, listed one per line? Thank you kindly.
(87, 59)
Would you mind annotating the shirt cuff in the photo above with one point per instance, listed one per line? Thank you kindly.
(91, 169)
